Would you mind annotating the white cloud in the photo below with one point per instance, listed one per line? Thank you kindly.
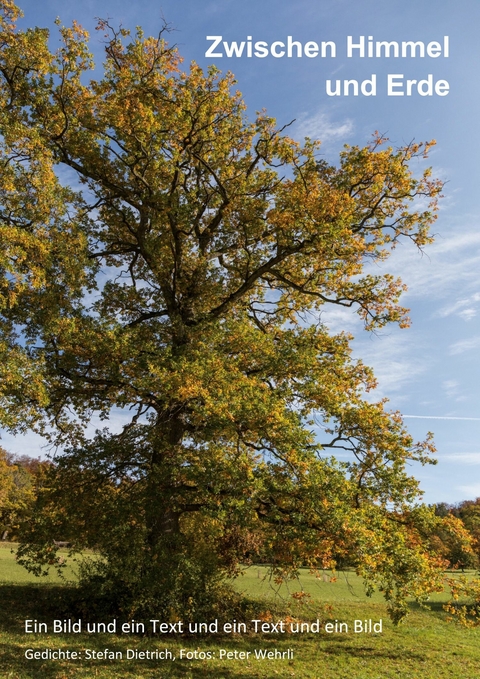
(462, 458)
(450, 264)
(320, 126)
(458, 241)
(468, 314)
(459, 309)
(472, 490)
(462, 346)
(440, 417)
(340, 319)
(396, 360)
(451, 387)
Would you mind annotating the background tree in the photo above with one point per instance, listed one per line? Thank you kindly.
(467, 515)
(20, 476)
(178, 272)
(6, 490)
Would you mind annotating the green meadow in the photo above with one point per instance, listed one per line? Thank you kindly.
(426, 646)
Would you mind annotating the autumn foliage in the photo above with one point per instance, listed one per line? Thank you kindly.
(167, 261)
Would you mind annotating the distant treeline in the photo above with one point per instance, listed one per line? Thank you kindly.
(468, 512)
(20, 476)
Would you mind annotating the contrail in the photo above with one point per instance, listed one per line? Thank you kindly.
(436, 417)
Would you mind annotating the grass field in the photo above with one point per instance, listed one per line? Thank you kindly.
(425, 647)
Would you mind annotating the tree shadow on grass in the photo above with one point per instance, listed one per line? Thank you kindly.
(45, 602)
(20, 602)
(14, 664)
(435, 608)
(28, 601)
(357, 651)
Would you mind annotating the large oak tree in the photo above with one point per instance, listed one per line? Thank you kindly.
(163, 255)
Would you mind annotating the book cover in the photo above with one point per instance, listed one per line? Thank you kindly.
(194, 280)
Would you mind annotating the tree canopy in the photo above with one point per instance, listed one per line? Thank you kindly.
(167, 258)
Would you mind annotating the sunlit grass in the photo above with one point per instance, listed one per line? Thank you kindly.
(11, 571)
(426, 647)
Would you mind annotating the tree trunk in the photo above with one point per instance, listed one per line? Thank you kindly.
(162, 519)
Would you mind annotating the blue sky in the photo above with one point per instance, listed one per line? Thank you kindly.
(430, 372)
